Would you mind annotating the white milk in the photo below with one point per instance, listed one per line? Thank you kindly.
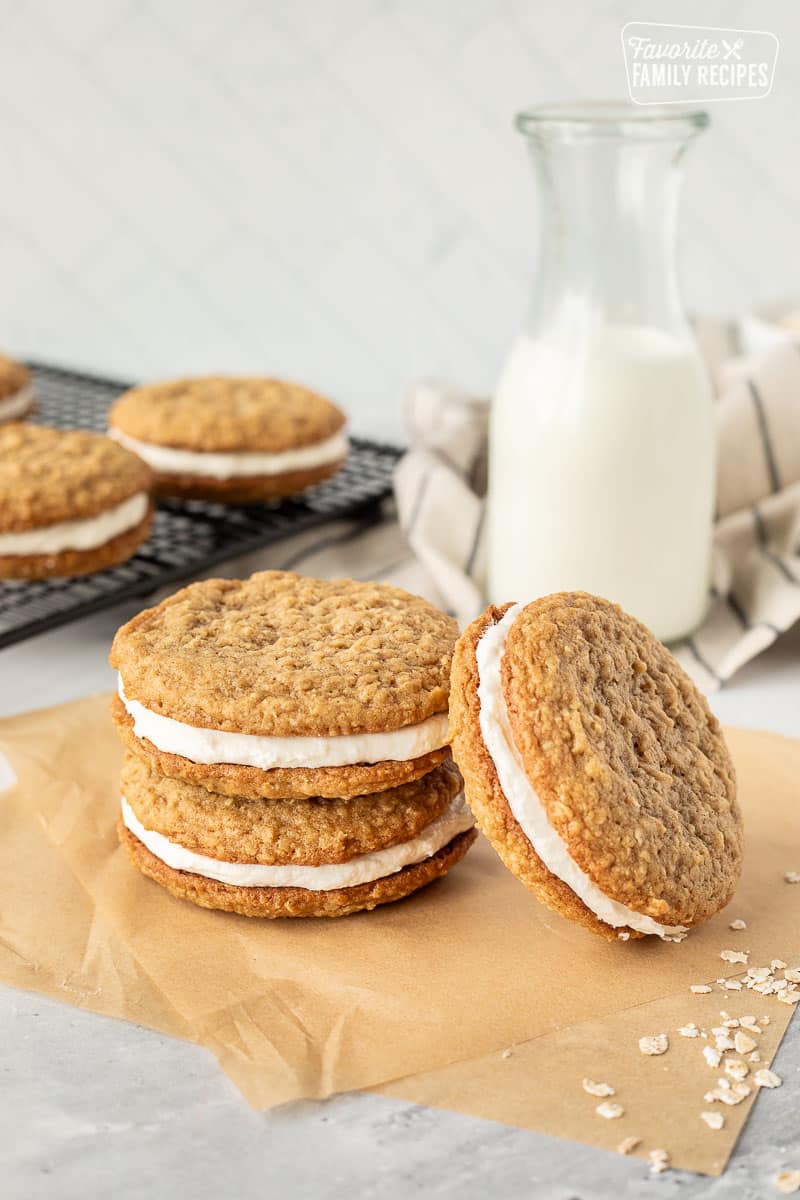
(602, 475)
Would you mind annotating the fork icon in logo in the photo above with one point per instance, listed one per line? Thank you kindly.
(732, 48)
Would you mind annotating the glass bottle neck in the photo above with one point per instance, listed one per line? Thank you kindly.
(607, 253)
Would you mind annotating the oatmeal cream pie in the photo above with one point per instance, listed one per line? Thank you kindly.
(235, 440)
(70, 502)
(594, 766)
(282, 686)
(16, 390)
(296, 858)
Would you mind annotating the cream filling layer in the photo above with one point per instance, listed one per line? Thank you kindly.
(523, 801)
(85, 534)
(167, 460)
(16, 404)
(363, 869)
(208, 746)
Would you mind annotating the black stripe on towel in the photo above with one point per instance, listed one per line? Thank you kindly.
(705, 665)
(761, 417)
(476, 537)
(422, 488)
(770, 555)
(743, 618)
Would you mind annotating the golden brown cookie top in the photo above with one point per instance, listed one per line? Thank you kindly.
(13, 376)
(279, 655)
(309, 832)
(51, 475)
(226, 413)
(625, 755)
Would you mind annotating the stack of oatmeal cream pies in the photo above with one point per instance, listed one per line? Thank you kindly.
(287, 754)
(286, 745)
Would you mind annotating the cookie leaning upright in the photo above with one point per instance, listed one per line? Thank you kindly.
(70, 502)
(16, 390)
(287, 745)
(234, 440)
(594, 766)
(284, 686)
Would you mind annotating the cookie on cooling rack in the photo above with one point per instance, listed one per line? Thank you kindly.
(71, 503)
(16, 390)
(594, 766)
(233, 440)
(283, 686)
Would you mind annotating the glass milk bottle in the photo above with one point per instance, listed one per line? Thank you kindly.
(601, 473)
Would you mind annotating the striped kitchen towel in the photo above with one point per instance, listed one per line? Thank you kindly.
(440, 487)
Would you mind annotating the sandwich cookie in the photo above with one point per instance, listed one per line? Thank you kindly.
(594, 766)
(16, 390)
(234, 440)
(70, 502)
(299, 858)
(287, 687)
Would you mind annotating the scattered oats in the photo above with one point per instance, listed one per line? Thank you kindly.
(659, 1161)
(750, 1023)
(623, 935)
(730, 1097)
(790, 997)
(742, 1089)
(767, 1078)
(689, 1030)
(763, 989)
(738, 924)
(710, 1097)
(735, 956)
(609, 1111)
(657, 1044)
(792, 877)
(598, 1089)
(700, 988)
(755, 1057)
(737, 1069)
(787, 1182)
(714, 1120)
(507, 1054)
(792, 974)
(712, 1056)
(628, 1145)
(724, 1043)
(743, 1043)
(759, 973)
(725, 1084)
(778, 964)
(720, 1031)
(763, 1020)
(731, 1023)
(730, 985)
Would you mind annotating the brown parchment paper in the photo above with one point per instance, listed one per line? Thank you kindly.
(433, 987)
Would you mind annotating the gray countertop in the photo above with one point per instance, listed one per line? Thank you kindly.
(92, 1107)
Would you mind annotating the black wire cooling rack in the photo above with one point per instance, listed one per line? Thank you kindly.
(187, 537)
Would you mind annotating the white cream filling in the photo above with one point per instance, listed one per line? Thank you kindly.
(16, 404)
(522, 799)
(363, 869)
(167, 460)
(250, 750)
(84, 534)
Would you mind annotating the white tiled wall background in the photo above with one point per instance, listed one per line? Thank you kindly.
(331, 189)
